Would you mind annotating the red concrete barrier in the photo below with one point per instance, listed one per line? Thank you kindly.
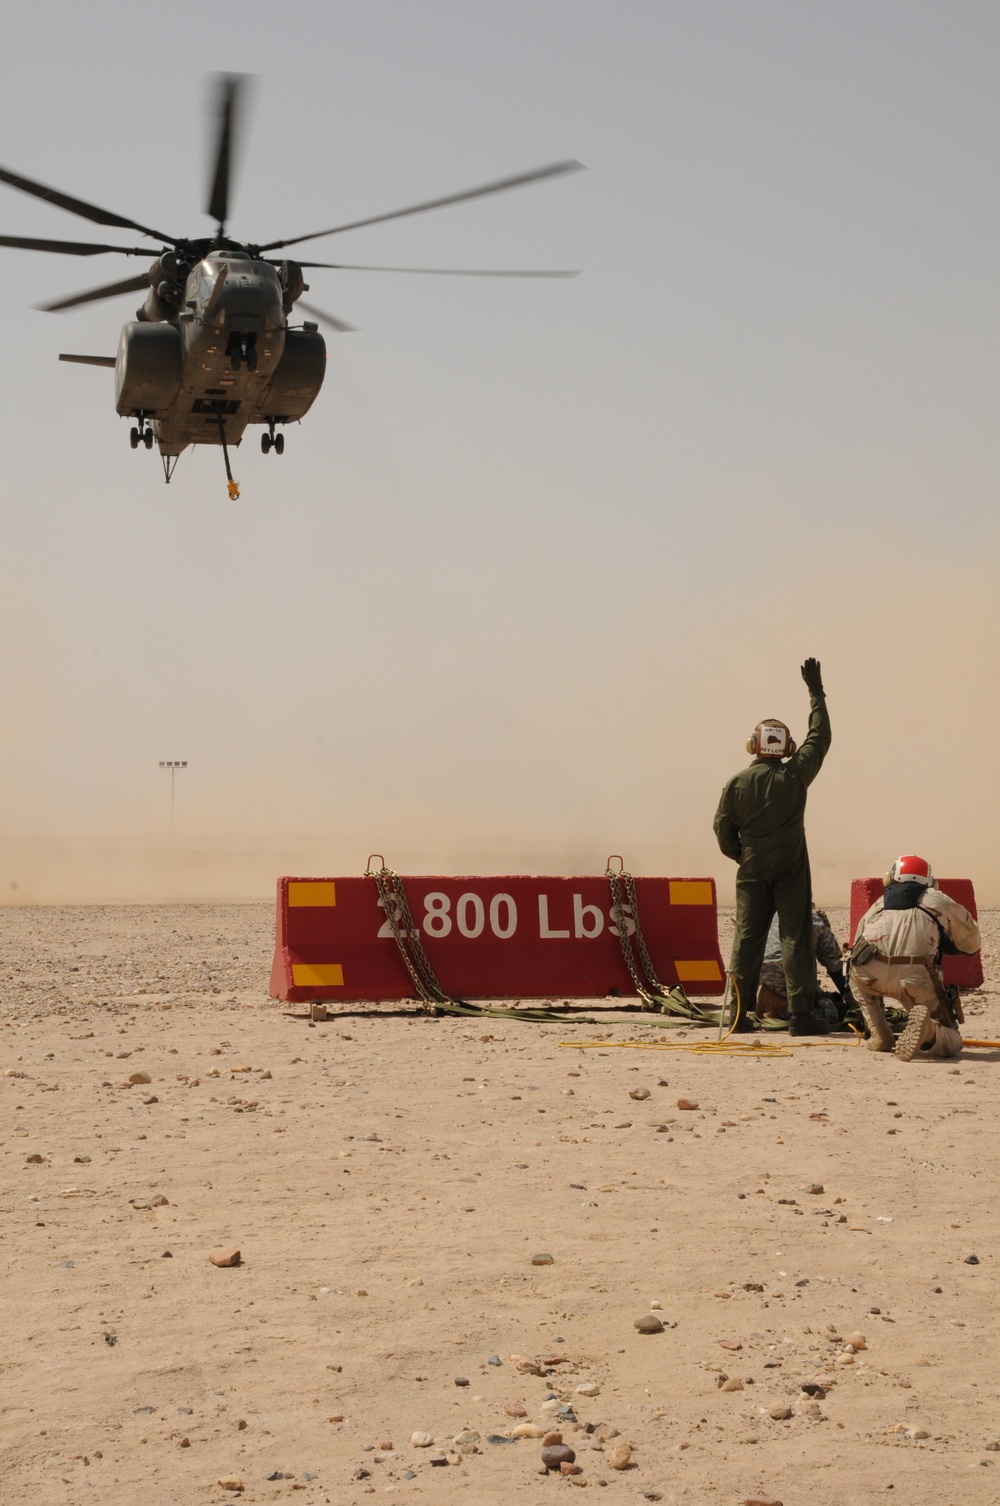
(964, 972)
(490, 938)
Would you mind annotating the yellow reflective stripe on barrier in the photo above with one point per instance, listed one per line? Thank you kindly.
(317, 974)
(698, 972)
(690, 892)
(310, 893)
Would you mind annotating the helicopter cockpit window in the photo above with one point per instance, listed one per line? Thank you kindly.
(204, 280)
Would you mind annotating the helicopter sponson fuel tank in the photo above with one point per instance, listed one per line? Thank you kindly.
(229, 356)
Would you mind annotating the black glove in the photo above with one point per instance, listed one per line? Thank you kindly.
(812, 676)
(840, 983)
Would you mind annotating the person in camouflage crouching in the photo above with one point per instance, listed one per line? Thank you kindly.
(772, 995)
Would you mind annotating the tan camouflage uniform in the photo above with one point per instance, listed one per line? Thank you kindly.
(908, 944)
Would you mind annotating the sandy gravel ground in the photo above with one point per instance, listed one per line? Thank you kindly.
(388, 1179)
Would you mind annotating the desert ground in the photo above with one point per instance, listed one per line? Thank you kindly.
(389, 1177)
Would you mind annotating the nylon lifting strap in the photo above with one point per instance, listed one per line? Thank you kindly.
(397, 908)
(234, 486)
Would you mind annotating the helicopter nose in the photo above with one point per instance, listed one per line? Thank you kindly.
(253, 305)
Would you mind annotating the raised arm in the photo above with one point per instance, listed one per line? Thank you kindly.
(809, 758)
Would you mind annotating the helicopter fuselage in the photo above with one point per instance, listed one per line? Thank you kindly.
(211, 349)
(211, 352)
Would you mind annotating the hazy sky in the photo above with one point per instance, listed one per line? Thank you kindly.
(542, 553)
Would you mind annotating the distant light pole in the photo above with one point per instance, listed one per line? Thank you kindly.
(173, 765)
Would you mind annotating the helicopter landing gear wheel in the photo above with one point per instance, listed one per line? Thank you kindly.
(265, 443)
(134, 438)
(279, 444)
(148, 439)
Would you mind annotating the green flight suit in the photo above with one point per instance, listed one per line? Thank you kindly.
(760, 824)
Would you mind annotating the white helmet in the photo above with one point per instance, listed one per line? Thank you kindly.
(771, 739)
(911, 870)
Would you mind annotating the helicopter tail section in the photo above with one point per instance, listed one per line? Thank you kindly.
(91, 360)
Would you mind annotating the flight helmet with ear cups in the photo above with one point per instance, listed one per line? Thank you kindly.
(910, 870)
(771, 739)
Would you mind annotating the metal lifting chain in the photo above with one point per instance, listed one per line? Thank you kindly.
(397, 909)
(393, 901)
(654, 994)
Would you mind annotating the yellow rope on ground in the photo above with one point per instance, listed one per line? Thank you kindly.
(705, 1048)
(734, 1048)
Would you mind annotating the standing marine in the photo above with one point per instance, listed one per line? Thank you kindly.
(760, 824)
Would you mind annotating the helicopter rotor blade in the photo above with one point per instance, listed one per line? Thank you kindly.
(339, 325)
(347, 266)
(70, 248)
(93, 295)
(228, 89)
(81, 207)
(518, 180)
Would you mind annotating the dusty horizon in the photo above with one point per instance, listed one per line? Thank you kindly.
(56, 872)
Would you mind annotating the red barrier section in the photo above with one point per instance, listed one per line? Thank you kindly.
(490, 938)
(964, 972)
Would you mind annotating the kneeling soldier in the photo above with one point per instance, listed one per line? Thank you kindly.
(772, 995)
(897, 955)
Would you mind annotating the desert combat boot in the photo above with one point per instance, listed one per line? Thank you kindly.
(880, 1036)
(920, 1031)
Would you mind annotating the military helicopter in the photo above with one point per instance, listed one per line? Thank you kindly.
(211, 349)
